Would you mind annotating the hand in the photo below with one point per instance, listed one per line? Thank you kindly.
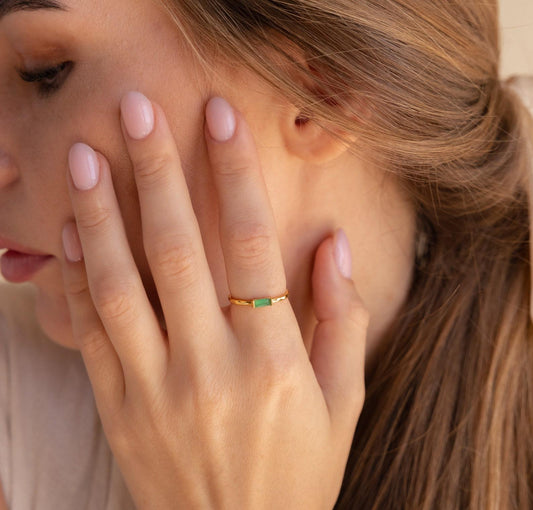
(224, 409)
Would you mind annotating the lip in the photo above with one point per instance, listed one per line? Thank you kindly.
(21, 267)
(7, 244)
(19, 263)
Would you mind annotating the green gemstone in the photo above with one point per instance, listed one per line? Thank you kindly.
(260, 303)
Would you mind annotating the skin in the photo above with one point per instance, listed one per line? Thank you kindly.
(312, 185)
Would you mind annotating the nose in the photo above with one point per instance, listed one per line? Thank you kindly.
(8, 170)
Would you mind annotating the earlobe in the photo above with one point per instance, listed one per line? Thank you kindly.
(307, 140)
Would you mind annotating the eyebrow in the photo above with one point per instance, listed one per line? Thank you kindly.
(10, 6)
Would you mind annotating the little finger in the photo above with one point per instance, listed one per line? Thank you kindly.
(101, 360)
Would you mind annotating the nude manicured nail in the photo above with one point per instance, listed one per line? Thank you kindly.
(71, 243)
(220, 119)
(138, 115)
(343, 256)
(84, 166)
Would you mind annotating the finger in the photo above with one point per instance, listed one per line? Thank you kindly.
(338, 351)
(248, 234)
(114, 282)
(172, 239)
(103, 365)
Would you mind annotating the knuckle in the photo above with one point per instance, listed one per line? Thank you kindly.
(93, 344)
(152, 170)
(95, 220)
(76, 286)
(229, 169)
(279, 372)
(212, 401)
(174, 257)
(250, 242)
(113, 299)
(208, 400)
(359, 316)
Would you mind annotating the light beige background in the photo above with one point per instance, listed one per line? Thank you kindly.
(516, 18)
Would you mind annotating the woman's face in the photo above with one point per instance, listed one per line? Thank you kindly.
(97, 50)
(114, 47)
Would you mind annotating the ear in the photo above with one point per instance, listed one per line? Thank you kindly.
(307, 140)
(314, 141)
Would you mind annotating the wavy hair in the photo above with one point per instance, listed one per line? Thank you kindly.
(449, 409)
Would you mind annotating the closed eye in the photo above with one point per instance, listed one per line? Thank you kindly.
(49, 79)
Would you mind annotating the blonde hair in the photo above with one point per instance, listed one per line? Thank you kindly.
(449, 409)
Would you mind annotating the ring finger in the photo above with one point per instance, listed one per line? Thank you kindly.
(248, 233)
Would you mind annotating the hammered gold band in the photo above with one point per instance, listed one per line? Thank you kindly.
(259, 302)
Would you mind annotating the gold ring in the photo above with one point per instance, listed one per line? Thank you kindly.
(259, 302)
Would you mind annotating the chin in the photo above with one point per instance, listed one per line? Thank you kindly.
(54, 318)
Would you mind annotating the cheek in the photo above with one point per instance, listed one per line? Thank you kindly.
(95, 120)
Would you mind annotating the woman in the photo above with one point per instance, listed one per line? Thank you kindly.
(270, 141)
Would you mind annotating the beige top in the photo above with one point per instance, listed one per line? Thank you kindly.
(53, 452)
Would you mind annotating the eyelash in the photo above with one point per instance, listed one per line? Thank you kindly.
(48, 80)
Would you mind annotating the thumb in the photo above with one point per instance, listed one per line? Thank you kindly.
(338, 351)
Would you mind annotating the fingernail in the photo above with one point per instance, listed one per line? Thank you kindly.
(220, 119)
(343, 256)
(138, 115)
(71, 243)
(84, 166)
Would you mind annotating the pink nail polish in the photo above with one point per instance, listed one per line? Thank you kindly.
(84, 166)
(342, 252)
(138, 115)
(71, 243)
(220, 119)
